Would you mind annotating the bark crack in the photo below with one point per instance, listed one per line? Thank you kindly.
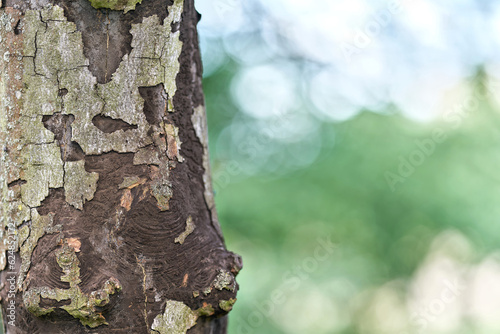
(107, 45)
(144, 290)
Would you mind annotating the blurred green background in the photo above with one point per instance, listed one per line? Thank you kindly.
(359, 181)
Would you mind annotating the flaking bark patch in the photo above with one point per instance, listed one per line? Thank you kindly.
(189, 229)
(227, 305)
(79, 186)
(130, 182)
(82, 306)
(224, 280)
(42, 169)
(173, 142)
(199, 121)
(40, 225)
(54, 62)
(176, 319)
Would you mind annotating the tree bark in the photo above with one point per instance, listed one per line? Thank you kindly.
(107, 213)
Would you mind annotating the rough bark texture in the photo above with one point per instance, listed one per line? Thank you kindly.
(107, 214)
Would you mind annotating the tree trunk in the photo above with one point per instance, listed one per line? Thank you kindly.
(109, 224)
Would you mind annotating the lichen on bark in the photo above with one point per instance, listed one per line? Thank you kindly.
(224, 280)
(12, 211)
(83, 306)
(227, 305)
(54, 61)
(176, 319)
(125, 5)
(42, 169)
(79, 186)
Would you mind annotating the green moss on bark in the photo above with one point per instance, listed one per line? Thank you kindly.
(227, 305)
(83, 307)
(125, 5)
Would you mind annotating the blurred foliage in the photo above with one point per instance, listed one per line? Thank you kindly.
(381, 234)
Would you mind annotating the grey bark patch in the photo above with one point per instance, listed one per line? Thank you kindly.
(106, 34)
(224, 280)
(199, 120)
(147, 156)
(176, 319)
(43, 169)
(151, 62)
(79, 186)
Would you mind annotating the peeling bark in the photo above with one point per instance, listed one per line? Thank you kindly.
(107, 214)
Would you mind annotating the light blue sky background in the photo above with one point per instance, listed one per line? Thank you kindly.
(306, 64)
(361, 53)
